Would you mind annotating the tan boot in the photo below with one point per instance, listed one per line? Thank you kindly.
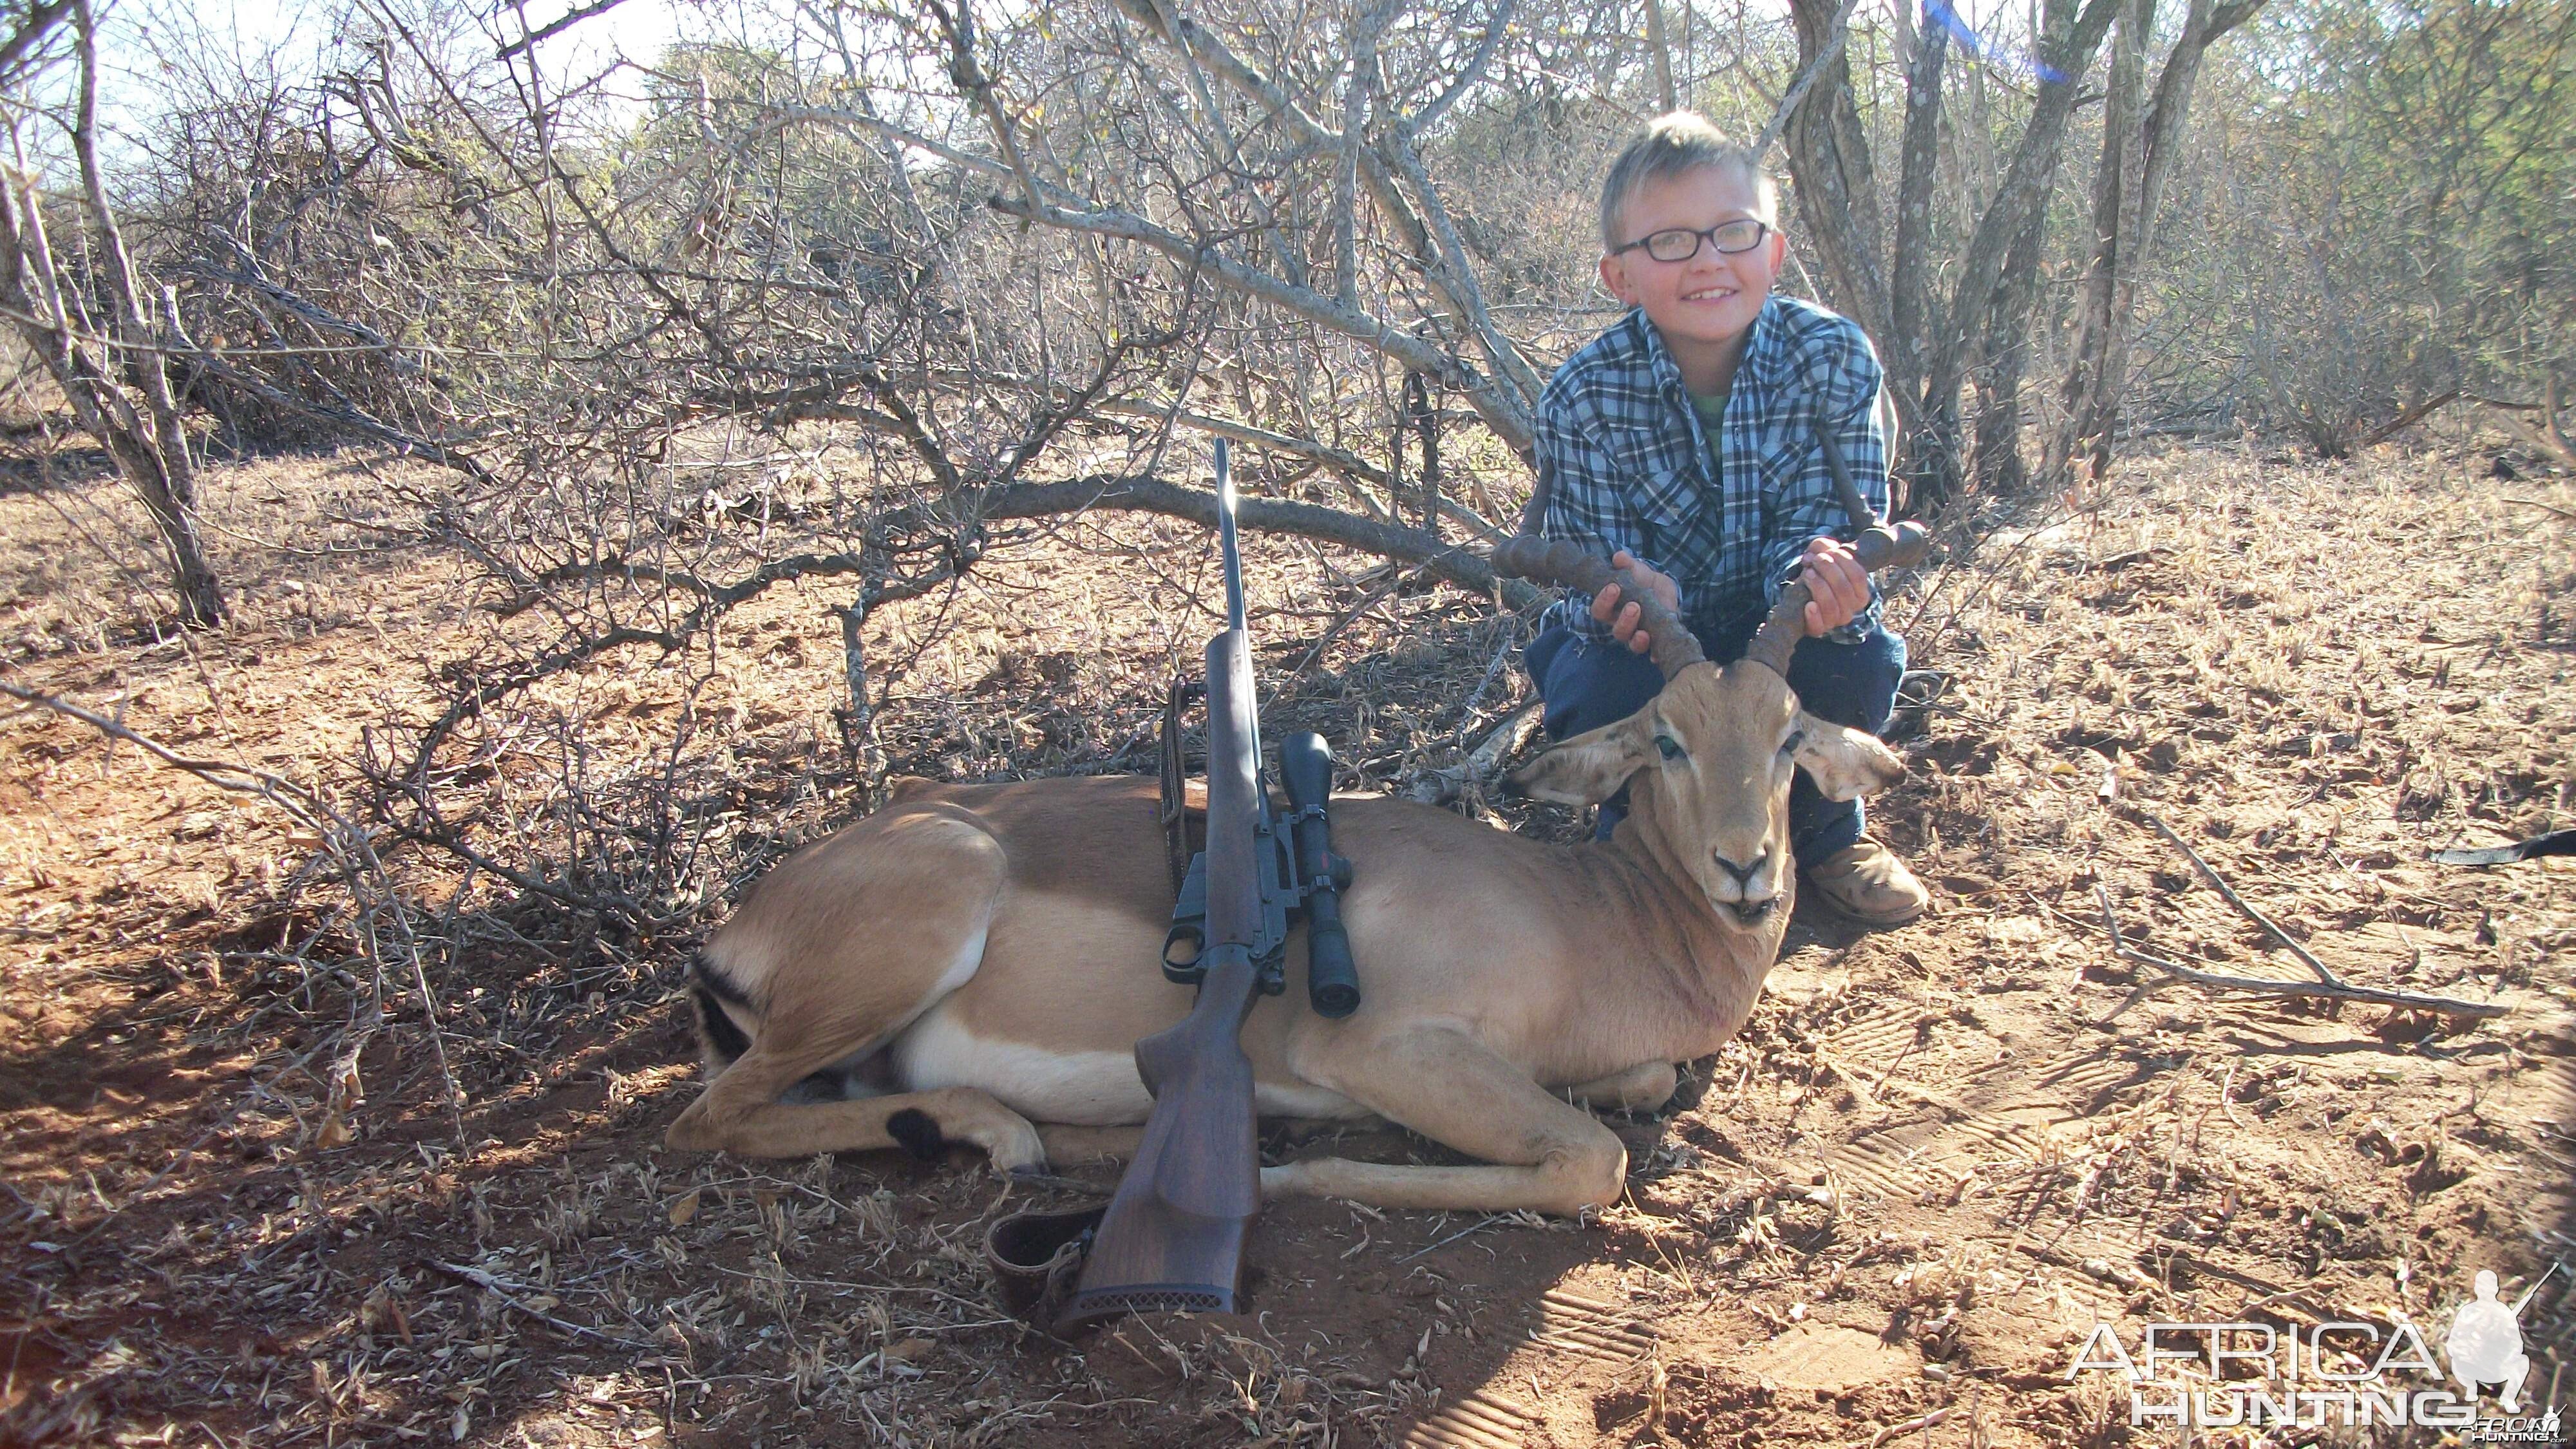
(1869, 884)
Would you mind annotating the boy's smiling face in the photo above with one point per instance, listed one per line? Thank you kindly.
(1704, 306)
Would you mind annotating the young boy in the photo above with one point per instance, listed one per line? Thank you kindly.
(1684, 439)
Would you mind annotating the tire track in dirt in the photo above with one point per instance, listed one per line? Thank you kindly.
(1480, 1420)
(1570, 1327)
(1999, 1117)
(1589, 1328)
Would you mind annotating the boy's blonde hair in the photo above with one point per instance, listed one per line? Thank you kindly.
(1672, 145)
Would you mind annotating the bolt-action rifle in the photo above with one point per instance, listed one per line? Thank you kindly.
(1173, 1236)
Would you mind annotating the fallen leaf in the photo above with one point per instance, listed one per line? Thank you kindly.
(684, 1208)
(909, 1350)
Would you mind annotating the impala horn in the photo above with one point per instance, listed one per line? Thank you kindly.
(1570, 565)
(1880, 545)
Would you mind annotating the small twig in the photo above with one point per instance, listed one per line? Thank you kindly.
(2233, 899)
(529, 40)
(1493, 669)
(1910, 1426)
(1474, 1227)
(2334, 990)
(2546, 507)
(1374, 597)
(1852, 1079)
(2124, 1276)
(2409, 418)
(2225, 1104)
(505, 1292)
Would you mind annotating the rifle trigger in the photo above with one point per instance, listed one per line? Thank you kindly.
(1189, 928)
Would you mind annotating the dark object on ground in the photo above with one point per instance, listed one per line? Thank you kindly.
(2556, 842)
(1034, 1257)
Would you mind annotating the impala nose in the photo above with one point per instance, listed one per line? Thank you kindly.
(1743, 873)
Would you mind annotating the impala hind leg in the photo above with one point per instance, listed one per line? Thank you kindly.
(1449, 1087)
(835, 955)
(1641, 1088)
(1080, 1146)
(740, 1113)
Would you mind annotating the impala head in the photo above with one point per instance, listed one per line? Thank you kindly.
(1708, 761)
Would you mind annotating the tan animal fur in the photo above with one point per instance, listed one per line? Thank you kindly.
(976, 963)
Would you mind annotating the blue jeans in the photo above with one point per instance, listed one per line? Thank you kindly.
(1590, 683)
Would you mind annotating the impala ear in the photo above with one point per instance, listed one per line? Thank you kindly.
(1845, 763)
(1589, 768)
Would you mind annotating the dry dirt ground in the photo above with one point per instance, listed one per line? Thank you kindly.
(240, 1209)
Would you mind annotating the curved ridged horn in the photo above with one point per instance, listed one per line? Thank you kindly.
(1879, 546)
(1570, 565)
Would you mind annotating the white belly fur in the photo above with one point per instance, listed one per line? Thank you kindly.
(1081, 1089)
(1077, 1089)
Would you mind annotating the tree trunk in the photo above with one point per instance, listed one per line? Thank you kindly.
(2137, 158)
(89, 361)
(2066, 51)
(1661, 45)
(1910, 301)
(2091, 381)
(1837, 187)
(2010, 338)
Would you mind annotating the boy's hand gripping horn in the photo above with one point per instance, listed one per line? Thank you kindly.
(1879, 546)
(1674, 648)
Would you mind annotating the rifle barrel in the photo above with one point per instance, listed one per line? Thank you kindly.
(1234, 803)
(1225, 540)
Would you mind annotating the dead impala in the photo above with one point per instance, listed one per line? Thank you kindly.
(976, 962)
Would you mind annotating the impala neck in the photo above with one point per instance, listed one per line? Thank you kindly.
(1710, 966)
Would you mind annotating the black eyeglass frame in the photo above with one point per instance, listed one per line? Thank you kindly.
(1703, 236)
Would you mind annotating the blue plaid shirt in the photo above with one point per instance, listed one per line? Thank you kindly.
(1630, 464)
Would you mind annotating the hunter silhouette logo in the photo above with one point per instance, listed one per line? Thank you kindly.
(2485, 1342)
(2348, 1373)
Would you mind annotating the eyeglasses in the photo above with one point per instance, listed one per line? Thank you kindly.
(1680, 243)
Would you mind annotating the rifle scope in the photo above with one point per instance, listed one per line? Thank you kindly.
(1332, 980)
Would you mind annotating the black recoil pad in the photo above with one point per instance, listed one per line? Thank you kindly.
(1332, 978)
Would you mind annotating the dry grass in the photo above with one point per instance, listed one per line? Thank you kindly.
(242, 1213)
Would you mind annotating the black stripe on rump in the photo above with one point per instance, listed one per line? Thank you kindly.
(716, 982)
(722, 1037)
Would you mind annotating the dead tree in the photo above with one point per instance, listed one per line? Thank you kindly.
(86, 315)
(2138, 151)
(1932, 345)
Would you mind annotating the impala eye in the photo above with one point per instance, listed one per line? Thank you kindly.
(1670, 751)
(1790, 745)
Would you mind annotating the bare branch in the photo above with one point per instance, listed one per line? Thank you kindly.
(555, 27)
(2334, 991)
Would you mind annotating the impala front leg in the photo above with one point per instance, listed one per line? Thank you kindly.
(1452, 1089)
